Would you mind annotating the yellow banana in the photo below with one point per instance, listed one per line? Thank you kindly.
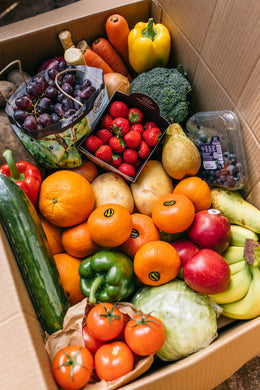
(238, 285)
(234, 254)
(236, 267)
(239, 234)
(249, 306)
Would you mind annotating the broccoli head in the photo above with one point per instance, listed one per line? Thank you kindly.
(169, 88)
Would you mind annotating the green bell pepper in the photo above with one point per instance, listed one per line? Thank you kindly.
(106, 276)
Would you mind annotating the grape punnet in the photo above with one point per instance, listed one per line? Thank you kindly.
(44, 104)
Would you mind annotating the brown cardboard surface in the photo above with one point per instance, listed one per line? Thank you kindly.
(248, 103)
(216, 41)
(192, 18)
(232, 28)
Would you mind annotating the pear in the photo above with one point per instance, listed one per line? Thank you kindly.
(180, 156)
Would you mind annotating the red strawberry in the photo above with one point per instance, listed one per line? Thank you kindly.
(132, 139)
(118, 109)
(143, 150)
(104, 152)
(149, 125)
(151, 136)
(117, 144)
(120, 126)
(92, 143)
(127, 169)
(135, 115)
(137, 127)
(107, 122)
(130, 156)
(104, 134)
(116, 160)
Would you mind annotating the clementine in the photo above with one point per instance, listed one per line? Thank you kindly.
(69, 276)
(53, 234)
(87, 169)
(173, 213)
(110, 225)
(197, 190)
(143, 230)
(77, 242)
(156, 263)
(66, 198)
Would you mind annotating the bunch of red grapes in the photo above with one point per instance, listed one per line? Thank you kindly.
(43, 104)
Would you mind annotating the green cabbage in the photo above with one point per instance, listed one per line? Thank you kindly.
(190, 319)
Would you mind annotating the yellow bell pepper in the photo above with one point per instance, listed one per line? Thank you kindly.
(149, 46)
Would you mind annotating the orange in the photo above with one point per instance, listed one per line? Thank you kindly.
(110, 225)
(53, 234)
(197, 190)
(69, 276)
(66, 198)
(87, 169)
(156, 263)
(173, 213)
(77, 242)
(143, 230)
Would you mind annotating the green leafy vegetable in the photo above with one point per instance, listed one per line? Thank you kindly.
(169, 87)
(189, 318)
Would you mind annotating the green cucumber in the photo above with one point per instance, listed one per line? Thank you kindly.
(29, 244)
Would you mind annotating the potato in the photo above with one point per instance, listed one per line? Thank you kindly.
(16, 77)
(152, 183)
(6, 89)
(109, 187)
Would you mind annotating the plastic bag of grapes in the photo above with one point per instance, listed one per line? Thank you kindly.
(54, 110)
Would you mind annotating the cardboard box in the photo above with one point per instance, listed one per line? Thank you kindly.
(216, 42)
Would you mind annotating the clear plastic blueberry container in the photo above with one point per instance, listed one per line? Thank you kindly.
(217, 135)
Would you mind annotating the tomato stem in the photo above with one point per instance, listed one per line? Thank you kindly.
(143, 320)
(110, 313)
(71, 362)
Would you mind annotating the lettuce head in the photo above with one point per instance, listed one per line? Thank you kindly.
(189, 318)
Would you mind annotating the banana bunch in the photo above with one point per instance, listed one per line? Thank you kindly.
(241, 300)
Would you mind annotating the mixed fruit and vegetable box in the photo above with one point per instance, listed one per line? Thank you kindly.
(130, 229)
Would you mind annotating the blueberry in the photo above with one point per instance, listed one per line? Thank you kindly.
(203, 138)
(231, 170)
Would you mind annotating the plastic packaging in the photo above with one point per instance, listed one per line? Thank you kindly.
(217, 135)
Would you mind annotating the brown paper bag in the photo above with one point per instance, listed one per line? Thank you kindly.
(71, 334)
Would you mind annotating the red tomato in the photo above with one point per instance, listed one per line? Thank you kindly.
(91, 343)
(144, 334)
(113, 360)
(72, 367)
(105, 321)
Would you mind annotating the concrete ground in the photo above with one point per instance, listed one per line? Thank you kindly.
(248, 377)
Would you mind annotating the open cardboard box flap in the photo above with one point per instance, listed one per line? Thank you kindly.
(217, 43)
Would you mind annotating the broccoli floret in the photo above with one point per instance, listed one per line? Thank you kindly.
(169, 88)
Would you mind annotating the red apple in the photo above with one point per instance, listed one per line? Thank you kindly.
(210, 229)
(186, 249)
(207, 272)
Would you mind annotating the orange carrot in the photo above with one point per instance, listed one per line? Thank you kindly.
(104, 48)
(94, 60)
(117, 30)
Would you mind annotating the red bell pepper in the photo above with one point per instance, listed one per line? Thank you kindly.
(24, 174)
